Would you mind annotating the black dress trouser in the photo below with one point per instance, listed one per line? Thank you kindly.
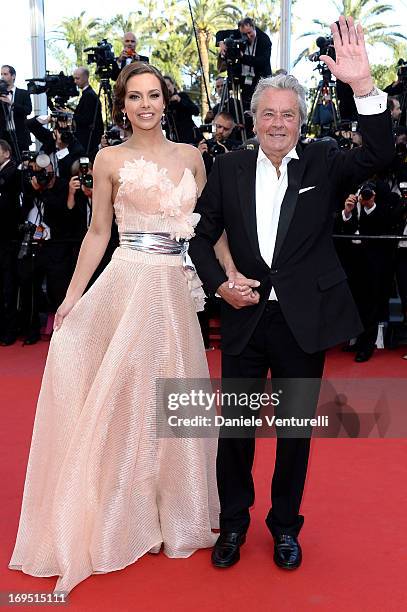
(272, 346)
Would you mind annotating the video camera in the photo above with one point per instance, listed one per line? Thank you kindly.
(102, 55)
(236, 44)
(325, 46)
(58, 88)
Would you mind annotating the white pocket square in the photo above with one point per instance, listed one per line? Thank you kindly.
(306, 189)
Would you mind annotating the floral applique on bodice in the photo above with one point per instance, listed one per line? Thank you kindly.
(149, 201)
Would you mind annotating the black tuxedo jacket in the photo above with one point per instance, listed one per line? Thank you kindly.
(306, 273)
(116, 69)
(10, 186)
(21, 108)
(85, 116)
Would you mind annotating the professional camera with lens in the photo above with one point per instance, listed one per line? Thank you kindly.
(58, 87)
(215, 148)
(63, 122)
(114, 136)
(85, 178)
(367, 191)
(40, 172)
(27, 230)
(325, 46)
(102, 55)
(403, 192)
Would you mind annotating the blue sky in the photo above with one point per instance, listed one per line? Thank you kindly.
(15, 41)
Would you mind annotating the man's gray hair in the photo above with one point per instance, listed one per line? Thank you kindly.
(281, 81)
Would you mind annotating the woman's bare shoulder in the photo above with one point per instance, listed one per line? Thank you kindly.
(189, 154)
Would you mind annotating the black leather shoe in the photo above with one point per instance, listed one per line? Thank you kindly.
(7, 340)
(362, 356)
(226, 551)
(287, 552)
(32, 339)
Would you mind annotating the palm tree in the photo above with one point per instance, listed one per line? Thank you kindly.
(77, 32)
(366, 12)
(266, 14)
(209, 17)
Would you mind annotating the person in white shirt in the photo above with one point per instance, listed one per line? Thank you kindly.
(277, 206)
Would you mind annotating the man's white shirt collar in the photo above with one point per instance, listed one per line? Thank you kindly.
(290, 155)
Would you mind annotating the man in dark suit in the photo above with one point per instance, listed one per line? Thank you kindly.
(277, 207)
(15, 106)
(10, 184)
(128, 55)
(179, 123)
(88, 114)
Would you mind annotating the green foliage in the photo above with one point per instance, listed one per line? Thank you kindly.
(383, 75)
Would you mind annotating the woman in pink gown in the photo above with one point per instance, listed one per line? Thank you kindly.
(101, 488)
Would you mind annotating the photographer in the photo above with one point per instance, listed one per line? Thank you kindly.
(254, 60)
(79, 203)
(88, 114)
(179, 124)
(15, 106)
(128, 55)
(9, 214)
(46, 250)
(221, 141)
(60, 143)
(393, 105)
(399, 87)
(366, 262)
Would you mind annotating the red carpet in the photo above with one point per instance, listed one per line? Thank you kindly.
(354, 538)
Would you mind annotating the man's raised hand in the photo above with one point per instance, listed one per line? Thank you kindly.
(351, 65)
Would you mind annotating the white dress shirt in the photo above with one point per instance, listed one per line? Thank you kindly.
(270, 189)
(270, 192)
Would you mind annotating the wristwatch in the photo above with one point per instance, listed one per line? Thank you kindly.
(373, 92)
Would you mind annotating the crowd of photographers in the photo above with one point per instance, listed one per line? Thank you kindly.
(46, 195)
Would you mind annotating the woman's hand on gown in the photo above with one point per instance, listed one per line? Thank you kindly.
(62, 312)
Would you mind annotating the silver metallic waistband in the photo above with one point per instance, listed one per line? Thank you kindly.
(153, 242)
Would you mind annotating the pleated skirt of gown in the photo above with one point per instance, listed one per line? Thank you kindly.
(101, 489)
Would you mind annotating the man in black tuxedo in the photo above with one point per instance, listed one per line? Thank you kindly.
(10, 186)
(88, 114)
(14, 109)
(277, 207)
(128, 55)
(255, 60)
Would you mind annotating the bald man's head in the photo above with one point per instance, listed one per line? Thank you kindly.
(81, 77)
(129, 41)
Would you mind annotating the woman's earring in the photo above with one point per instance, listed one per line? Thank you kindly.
(124, 117)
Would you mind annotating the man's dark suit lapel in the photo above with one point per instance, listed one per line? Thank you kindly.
(246, 187)
(295, 171)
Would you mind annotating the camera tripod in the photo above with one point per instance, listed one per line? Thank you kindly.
(231, 101)
(105, 101)
(325, 86)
